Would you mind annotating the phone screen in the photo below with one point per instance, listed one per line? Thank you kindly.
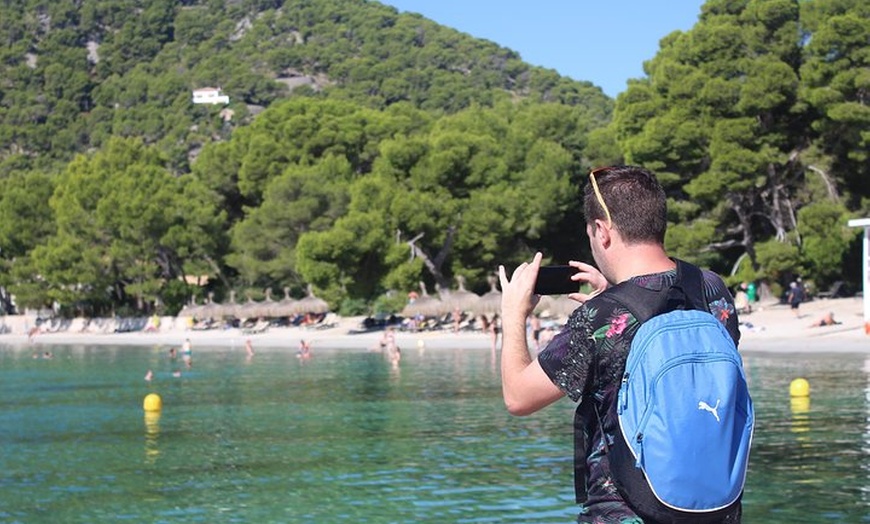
(556, 280)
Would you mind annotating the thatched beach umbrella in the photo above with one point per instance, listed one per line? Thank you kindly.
(311, 303)
(490, 302)
(286, 307)
(254, 309)
(424, 305)
(210, 309)
(191, 309)
(268, 305)
(229, 308)
(461, 298)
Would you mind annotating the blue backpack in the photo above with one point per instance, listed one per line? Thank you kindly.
(685, 415)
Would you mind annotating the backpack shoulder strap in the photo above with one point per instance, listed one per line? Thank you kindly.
(690, 280)
(687, 292)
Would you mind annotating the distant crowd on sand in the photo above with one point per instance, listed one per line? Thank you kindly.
(746, 296)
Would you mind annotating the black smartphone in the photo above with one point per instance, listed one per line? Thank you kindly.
(556, 280)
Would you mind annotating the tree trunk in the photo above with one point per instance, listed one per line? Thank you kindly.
(5, 302)
(743, 217)
(434, 265)
(776, 213)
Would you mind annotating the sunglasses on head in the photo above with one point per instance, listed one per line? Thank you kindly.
(599, 196)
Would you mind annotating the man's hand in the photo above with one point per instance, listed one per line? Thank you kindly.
(589, 275)
(517, 297)
(525, 386)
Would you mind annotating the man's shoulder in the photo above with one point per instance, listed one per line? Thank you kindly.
(712, 277)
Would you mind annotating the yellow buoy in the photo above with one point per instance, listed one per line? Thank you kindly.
(152, 402)
(800, 405)
(799, 388)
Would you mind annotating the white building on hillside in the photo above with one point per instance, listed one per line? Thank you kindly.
(209, 95)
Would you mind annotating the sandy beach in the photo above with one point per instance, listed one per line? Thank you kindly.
(769, 327)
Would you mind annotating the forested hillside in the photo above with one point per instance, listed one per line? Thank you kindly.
(364, 151)
(76, 72)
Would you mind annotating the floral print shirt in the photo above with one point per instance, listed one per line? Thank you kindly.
(586, 360)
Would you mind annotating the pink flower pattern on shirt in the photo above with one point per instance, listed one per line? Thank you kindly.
(617, 325)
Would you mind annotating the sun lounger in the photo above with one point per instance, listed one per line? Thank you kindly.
(836, 290)
(260, 327)
(327, 321)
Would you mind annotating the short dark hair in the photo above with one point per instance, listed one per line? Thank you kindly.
(635, 200)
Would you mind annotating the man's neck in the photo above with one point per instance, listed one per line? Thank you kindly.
(641, 259)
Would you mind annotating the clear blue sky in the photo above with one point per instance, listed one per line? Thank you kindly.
(602, 41)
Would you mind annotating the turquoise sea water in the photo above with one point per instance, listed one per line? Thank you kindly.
(345, 437)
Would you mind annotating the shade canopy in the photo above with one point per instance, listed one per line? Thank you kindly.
(210, 309)
(490, 302)
(311, 303)
(254, 309)
(229, 308)
(192, 309)
(285, 307)
(460, 298)
(424, 305)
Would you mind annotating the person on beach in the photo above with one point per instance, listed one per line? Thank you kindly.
(173, 354)
(547, 335)
(395, 355)
(795, 297)
(187, 353)
(826, 320)
(493, 328)
(304, 350)
(626, 218)
(456, 317)
(752, 293)
(535, 328)
(387, 339)
(388, 344)
(249, 348)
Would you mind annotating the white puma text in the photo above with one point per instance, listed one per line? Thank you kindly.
(714, 410)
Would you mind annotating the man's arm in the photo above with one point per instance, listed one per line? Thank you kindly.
(525, 387)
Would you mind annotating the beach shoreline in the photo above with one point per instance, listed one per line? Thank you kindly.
(770, 327)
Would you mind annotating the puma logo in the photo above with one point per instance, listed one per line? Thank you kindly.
(714, 410)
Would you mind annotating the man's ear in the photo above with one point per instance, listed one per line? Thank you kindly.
(603, 232)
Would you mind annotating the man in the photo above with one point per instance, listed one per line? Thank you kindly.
(795, 297)
(187, 353)
(626, 219)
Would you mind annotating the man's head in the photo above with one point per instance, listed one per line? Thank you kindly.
(628, 199)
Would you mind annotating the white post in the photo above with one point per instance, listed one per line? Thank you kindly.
(865, 281)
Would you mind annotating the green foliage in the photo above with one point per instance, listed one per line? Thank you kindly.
(351, 307)
(826, 238)
(122, 225)
(744, 272)
(298, 201)
(753, 116)
(778, 260)
(389, 303)
(364, 151)
(174, 295)
(75, 73)
(25, 219)
(689, 241)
